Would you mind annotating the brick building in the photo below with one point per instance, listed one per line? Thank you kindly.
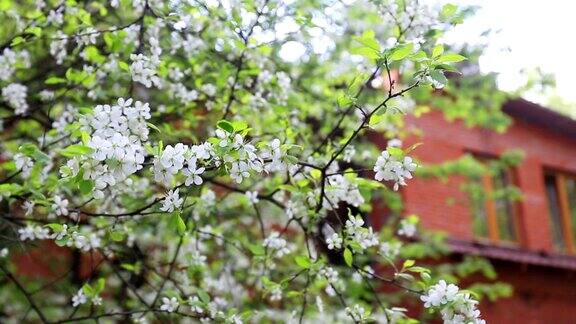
(530, 242)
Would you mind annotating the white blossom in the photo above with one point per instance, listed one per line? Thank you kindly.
(252, 196)
(23, 163)
(79, 299)
(26, 233)
(388, 168)
(276, 294)
(172, 201)
(330, 274)
(143, 70)
(195, 305)
(193, 173)
(407, 228)
(60, 206)
(169, 304)
(15, 95)
(389, 249)
(334, 242)
(277, 244)
(58, 47)
(97, 300)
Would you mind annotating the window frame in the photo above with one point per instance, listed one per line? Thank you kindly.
(490, 209)
(563, 206)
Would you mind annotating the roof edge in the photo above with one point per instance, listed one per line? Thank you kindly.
(514, 254)
(535, 114)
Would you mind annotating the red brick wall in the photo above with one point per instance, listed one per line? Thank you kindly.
(542, 295)
(443, 206)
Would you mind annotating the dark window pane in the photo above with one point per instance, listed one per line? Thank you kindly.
(504, 207)
(555, 217)
(571, 192)
(478, 205)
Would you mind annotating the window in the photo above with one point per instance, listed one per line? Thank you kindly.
(561, 193)
(492, 198)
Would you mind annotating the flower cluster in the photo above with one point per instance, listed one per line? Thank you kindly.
(277, 244)
(60, 206)
(247, 152)
(330, 274)
(407, 227)
(455, 306)
(363, 236)
(81, 298)
(172, 201)
(358, 313)
(169, 304)
(340, 188)
(143, 70)
(24, 164)
(117, 136)
(58, 47)
(334, 242)
(389, 168)
(15, 95)
(228, 149)
(33, 232)
(84, 242)
(9, 60)
(173, 159)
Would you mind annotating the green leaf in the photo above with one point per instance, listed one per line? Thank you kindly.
(315, 173)
(408, 263)
(418, 269)
(256, 249)
(376, 119)
(204, 297)
(370, 48)
(123, 65)
(366, 52)
(5, 5)
(8, 189)
(88, 290)
(85, 137)
(55, 80)
(348, 257)
(395, 151)
(448, 10)
(84, 17)
(439, 77)
(438, 50)
(401, 52)
(86, 186)
(451, 57)
(34, 152)
(93, 55)
(117, 236)
(239, 125)
(34, 30)
(153, 127)
(75, 150)
(17, 40)
(55, 227)
(100, 284)
(226, 125)
(345, 100)
(368, 39)
(303, 261)
(177, 224)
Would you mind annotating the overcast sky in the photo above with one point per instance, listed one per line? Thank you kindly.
(529, 34)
